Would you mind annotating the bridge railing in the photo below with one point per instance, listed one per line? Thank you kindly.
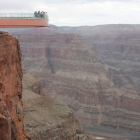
(22, 15)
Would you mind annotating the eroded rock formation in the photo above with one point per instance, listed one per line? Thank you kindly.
(11, 108)
(46, 118)
(32, 82)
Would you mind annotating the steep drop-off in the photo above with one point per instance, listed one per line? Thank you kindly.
(11, 108)
(71, 71)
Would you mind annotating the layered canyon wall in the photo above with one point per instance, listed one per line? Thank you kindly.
(117, 46)
(71, 70)
(44, 118)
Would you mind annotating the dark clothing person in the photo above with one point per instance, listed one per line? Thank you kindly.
(35, 14)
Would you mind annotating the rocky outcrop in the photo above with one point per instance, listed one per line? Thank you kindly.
(46, 118)
(11, 108)
(32, 82)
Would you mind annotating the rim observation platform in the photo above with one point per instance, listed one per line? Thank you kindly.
(13, 20)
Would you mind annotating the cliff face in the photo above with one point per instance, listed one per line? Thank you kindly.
(46, 118)
(71, 71)
(11, 108)
(118, 47)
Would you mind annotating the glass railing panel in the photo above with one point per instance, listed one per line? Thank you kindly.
(22, 15)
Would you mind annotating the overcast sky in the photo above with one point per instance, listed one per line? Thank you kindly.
(79, 12)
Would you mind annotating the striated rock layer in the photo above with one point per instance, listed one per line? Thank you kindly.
(11, 108)
(46, 118)
(117, 46)
(71, 71)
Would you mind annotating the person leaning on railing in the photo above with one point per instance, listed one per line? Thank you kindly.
(35, 14)
(44, 15)
(40, 14)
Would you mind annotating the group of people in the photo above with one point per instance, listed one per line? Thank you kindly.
(40, 14)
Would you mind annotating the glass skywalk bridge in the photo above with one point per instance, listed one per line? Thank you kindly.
(23, 15)
(24, 19)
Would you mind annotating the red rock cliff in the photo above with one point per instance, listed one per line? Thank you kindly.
(11, 108)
